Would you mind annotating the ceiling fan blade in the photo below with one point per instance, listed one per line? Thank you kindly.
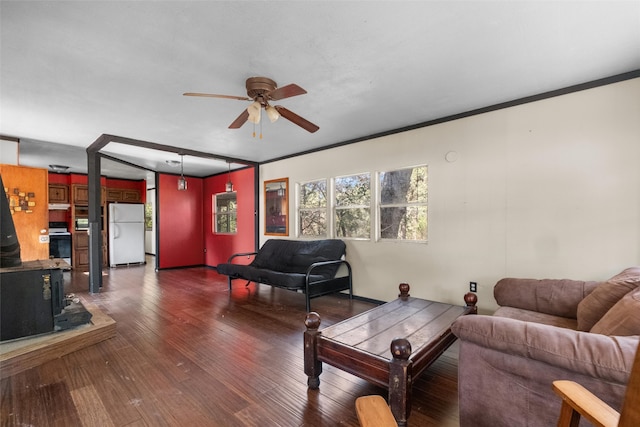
(242, 118)
(213, 95)
(286, 92)
(296, 119)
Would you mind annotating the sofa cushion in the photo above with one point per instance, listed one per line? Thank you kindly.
(623, 319)
(597, 303)
(536, 316)
(549, 296)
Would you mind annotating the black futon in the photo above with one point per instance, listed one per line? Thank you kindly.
(308, 266)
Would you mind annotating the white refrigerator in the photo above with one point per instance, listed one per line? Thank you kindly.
(126, 233)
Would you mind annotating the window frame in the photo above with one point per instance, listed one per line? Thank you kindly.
(380, 206)
(326, 209)
(229, 214)
(335, 207)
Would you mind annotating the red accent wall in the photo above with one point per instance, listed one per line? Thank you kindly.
(180, 225)
(58, 178)
(221, 246)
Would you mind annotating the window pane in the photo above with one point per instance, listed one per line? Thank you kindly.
(148, 216)
(226, 223)
(353, 190)
(354, 223)
(404, 223)
(313, 194)
(313, 223)
(404, 186)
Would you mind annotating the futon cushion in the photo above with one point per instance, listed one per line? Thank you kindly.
(299, 263)
(295, 256)
(594, 306)
(623, 319)
(267, 276)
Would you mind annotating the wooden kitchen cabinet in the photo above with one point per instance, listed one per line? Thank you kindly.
(123, 195)
(80, 194)
(131, 196)
(80, 260)
(58, 193)
(114, 194)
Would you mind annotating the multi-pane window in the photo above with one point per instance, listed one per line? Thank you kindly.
(403, 204)
(225, 208)
(312, 209)
(353, 206)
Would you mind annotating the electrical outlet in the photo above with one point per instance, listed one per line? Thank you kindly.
(473, 286)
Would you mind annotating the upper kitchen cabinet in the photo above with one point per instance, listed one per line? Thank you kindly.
(80, 194)
(58, 193)
(126, 195)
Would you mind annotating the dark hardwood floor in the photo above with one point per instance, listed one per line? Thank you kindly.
(187, 352)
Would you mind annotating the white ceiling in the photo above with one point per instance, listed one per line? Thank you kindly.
(71, 71)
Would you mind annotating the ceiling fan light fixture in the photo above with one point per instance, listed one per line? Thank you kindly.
(272, 113)
(254, 112)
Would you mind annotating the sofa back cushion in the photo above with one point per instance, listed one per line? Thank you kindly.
(623, 319)
(597, 303)
(557, 297)
(295, 256)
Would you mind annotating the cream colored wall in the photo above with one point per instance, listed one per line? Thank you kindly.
(549, 189)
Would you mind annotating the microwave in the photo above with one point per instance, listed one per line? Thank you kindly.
(82, 223)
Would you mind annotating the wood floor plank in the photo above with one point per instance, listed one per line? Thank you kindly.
(91, 411)
(187, 351)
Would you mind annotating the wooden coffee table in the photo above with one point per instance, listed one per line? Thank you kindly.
(389, 345)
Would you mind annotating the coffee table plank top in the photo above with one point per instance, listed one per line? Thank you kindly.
(420, 321)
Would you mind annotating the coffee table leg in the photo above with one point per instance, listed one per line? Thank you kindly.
(312, 366)
(400, 380)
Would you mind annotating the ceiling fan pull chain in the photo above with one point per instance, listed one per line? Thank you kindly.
(254, 130)
(260, 129)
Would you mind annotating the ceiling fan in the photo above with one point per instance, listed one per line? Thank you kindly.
(261, 90)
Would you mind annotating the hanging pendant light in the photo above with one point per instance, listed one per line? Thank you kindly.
(182, 183)
(229, 184)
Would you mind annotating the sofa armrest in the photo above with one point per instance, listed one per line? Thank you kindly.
(247, 254)
(609, 358)
(550, 296)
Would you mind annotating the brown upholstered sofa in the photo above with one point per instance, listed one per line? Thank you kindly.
(546, 330)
